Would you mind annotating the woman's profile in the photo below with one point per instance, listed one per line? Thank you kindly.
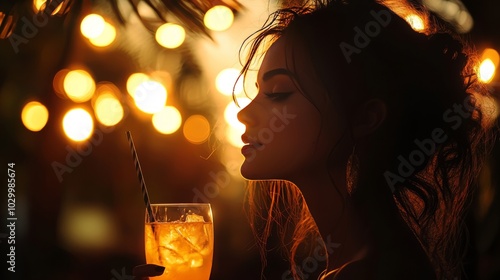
(366, 135)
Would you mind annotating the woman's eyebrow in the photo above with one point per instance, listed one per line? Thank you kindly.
(278, 71)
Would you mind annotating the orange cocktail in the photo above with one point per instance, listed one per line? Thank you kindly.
(181, 239)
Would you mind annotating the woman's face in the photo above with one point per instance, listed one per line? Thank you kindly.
(286, 135)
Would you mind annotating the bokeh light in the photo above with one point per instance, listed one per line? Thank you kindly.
(231, 112)
(168, 120)
(78, 124)
(79, 85)
(196, 129)
(416, 22)
(235, 128)
(486, 71)
(86, 227)
(150, 96)
(233, 135)
(489, 62)
(134, 81)
(92, 26)
(226, 79)
(492, 54)
(58, 82)
(170, 35)
(453, 12)
(34, 116)
(163, 77)
(218, 18)
(108, 109)
(106, 37)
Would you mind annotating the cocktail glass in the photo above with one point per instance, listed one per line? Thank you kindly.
(181, 238)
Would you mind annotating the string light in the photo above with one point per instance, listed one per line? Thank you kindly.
(231, 112)
(196, 129)
(79, 85)
(235, 128)
(226, 80)
(108, 109)
(134, 81)
(34, 116)
(92, 26)
(78, 124)
(233, 136)
(218, 18)
(150, 96)
(106, 38)
(168, 120)
(453, 11)
(487, 68)
(170, 35)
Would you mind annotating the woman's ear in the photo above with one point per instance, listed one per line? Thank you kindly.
(368, 117)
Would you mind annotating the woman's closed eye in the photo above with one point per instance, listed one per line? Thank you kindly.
(278, 96)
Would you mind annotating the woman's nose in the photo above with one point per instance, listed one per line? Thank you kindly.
(245, 115)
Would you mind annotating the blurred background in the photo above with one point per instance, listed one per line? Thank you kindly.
(76, 75)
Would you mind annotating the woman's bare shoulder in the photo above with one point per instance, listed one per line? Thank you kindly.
(371, 268)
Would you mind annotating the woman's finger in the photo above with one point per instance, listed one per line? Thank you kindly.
(145, 270)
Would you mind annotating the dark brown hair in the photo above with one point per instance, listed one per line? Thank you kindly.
(422, 77)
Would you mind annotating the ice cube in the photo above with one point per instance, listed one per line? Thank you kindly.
(192, 218)
(195, 260)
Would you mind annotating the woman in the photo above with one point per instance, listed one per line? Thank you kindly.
(367, 134)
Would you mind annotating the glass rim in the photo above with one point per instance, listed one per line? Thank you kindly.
(181, 204)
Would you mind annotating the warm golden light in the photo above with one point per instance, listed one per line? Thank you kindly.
(231, 112)
(486, 71)
(168, 120)
(92, 26)
(416, 22)
(58, 82)
(107, 36)
(78, 124)
(79, 85)
(233, 135)
(218, 18)
(86, 227)
(150, 96)
(170, 35)
(108, 109)
(196, 129)
(38, 4)
(225, 82)
(492, 54)
(7, 23)
(134, 81)
(34, 116)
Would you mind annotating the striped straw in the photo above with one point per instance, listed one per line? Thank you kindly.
(141, 178)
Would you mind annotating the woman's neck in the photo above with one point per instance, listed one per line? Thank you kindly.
(340, 226)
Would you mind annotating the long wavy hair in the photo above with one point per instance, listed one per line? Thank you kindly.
(421, 76)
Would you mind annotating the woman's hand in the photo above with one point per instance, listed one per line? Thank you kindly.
(141, 272)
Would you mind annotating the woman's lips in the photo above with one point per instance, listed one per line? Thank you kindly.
(247, 150)
(249, 147)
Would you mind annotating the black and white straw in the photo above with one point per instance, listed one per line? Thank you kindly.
(141, 177)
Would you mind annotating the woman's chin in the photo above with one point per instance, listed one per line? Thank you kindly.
(251, 172)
